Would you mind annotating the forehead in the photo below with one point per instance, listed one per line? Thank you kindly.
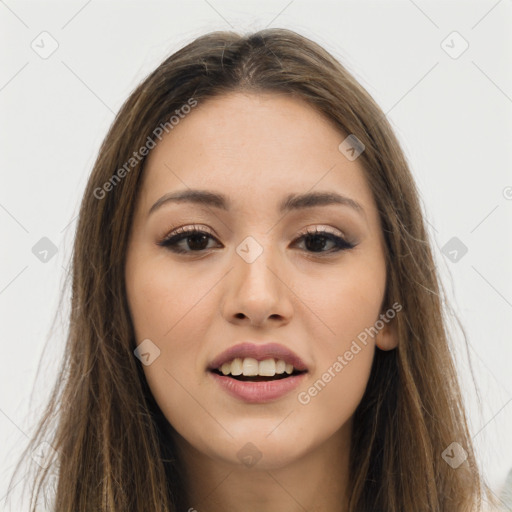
(255, 148)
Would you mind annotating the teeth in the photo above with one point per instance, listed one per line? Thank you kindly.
(280, 366)
(250, 367)
(267, 368)
(236, 366)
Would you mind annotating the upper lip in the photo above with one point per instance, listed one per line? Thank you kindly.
(258, 352)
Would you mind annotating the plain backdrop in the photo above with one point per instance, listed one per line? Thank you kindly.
(441, 71)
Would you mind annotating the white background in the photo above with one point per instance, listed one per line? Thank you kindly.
(453, 117)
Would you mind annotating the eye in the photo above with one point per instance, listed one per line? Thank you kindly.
(197, 241)
(317, 239)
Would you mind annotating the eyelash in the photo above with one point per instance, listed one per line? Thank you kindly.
(170, 242)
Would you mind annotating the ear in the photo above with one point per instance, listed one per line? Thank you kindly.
(386, 338)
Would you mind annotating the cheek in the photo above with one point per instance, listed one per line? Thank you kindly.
(347, 300)
(350, 306)
(339, 382)
(165, 309)
(159, 297)
(344, 359)
(333, 395)
(168, 386)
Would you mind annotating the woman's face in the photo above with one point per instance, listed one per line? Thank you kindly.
(252, 278)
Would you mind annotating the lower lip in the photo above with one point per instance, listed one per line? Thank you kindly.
(258, 392)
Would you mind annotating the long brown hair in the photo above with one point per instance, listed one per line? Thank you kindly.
(113, 448)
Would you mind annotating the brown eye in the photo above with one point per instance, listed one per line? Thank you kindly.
(196, 240)
(317, 240)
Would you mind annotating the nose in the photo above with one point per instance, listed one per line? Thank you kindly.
(257, 293)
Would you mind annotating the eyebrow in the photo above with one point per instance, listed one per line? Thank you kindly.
(289, 203)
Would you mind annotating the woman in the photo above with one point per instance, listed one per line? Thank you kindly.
(256, 319)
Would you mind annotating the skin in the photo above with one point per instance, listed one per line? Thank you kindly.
(257, 148)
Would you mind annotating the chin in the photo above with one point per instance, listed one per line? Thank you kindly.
(257, 450)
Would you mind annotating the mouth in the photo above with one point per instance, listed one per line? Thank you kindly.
(258, 389)
(258, 373)
(249, 369)
(253, 377)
